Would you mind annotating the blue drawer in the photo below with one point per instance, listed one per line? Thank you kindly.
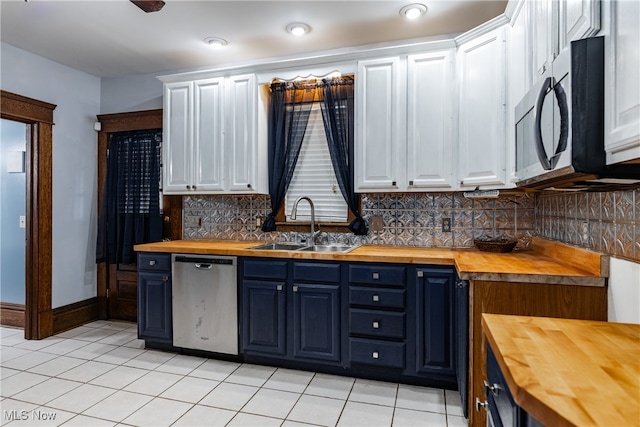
(377, 297)
(316, 272)
(377, 323)
(158, 262)
(377, 353)
(265, 269)
(378, 275)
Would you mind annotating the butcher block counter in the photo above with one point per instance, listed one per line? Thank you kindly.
(547, 262)
(567, 372)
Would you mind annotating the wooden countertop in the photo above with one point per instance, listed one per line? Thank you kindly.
(548, 262)
(568, 372)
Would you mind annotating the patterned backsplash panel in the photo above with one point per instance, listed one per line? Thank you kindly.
(408, 219)
(605, 222)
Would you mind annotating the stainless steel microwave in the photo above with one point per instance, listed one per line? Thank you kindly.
(559, 125)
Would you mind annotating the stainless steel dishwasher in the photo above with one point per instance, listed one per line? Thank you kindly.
(205, 303)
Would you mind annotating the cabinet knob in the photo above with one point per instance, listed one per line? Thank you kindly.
(376, 298)
(279, 287)
(295, 289)
(375, 355)
(493, 388)
(375, 276)
(393, 183)
(193, 187)
(420, 273)
(165, 278)
(411, 183)
(248, 185)
(188, 187)
(481, 405)
(376, 325)
(152, 262)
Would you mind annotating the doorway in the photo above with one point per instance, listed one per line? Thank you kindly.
(13, 203)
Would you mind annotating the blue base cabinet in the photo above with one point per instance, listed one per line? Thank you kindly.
(291, 310)
(155, 324)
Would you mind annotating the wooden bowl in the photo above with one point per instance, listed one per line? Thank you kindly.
(500, 246)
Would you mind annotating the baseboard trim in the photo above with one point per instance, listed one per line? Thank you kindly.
(76, 314)
(12, 314)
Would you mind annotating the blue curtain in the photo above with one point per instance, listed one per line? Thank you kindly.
(289, 111)
(338, 116)
(130, 212)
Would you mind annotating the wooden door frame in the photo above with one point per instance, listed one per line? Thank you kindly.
(38, 116)
(122, 122)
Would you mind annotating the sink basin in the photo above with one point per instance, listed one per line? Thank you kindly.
(280, 247)
(329, 248)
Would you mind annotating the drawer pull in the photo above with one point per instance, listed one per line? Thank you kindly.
(376, 324)
(493, 388)
(375, 276)
(481, 405)
(375, 355)
(152, 262)
(376, 298)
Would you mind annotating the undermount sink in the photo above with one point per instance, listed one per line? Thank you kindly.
(329, 248)
(303, 247)
(280, 247)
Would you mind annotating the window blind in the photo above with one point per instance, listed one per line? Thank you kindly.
(314, 177)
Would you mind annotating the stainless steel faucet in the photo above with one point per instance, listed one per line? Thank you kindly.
(314, 233)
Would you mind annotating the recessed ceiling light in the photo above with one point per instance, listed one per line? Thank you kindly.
(298, 28)
(413, 11)
(216, 42)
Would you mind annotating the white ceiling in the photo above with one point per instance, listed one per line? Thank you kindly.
(112, 38)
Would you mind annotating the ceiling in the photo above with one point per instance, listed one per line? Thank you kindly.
(115, 38)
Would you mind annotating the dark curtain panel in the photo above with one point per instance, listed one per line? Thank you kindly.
(130, 212)
(289, 111)
(338, 116)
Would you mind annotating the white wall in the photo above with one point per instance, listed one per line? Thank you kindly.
(77, 96)
(624, 291)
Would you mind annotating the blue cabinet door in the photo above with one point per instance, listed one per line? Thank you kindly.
(435, 322)
(154, 307)
(264, 313)
(316, 321)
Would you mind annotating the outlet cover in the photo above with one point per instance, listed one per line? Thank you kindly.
(375, 223)
(446, 225)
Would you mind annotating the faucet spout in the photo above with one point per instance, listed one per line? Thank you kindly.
(313, 234)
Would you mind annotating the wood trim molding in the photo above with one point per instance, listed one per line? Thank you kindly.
(136, 120)
(12, 314)
(38, 116)
(76, 314)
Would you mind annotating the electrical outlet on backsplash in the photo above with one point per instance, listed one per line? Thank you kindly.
(416, 219)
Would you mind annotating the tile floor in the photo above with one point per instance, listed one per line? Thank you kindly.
(100, 374)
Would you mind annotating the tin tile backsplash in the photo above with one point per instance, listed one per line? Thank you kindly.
(606, 222)
(408, 219)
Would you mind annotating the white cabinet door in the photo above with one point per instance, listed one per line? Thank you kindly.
(208, 135)
(241, 94)
(177, 138)
(378, 125)
(577, 19)
(622, 84)
(481, 130)
(430, 96)
(544, 34)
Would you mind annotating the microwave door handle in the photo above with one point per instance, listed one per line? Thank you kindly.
(561, 97)
(537, 129)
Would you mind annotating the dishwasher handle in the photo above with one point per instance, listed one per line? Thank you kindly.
(205, 263)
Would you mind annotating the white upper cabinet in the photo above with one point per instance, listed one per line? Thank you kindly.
(211, 143)
(404, 127)
(481, 66)
(622, 83)
(554, 24)
(430, 102)
(378, 131)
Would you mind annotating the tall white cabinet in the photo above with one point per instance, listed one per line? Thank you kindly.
(211, 140)
(481, 64)
(404, 126)
(622, 83)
